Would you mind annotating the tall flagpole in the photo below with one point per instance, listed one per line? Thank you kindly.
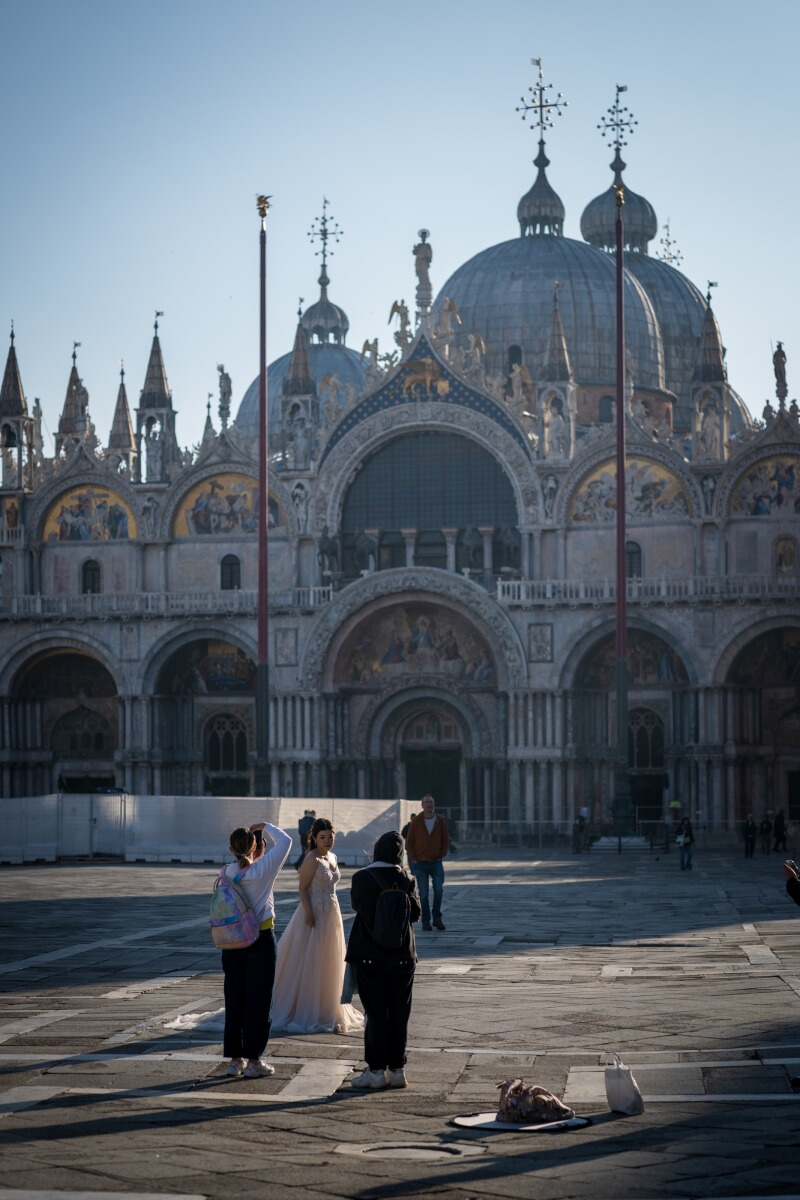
(622, 790)
(614, 125)
(262, 779)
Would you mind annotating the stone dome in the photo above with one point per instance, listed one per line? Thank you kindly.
(325, 360)
(680, 308)
(505, 294)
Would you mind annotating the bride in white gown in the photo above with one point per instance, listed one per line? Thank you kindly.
(307, 997)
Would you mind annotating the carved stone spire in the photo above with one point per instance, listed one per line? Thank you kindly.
(12, 397)
(299, 380)
(74, 422)
(121, 437)
(557, 367)
(155, 393)
(710, 363)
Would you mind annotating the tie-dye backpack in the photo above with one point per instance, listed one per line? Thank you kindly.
(233, 922)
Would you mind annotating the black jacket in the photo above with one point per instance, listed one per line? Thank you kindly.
(793, 888)
(365, 888)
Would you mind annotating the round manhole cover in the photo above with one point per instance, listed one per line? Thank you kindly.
(418, 1151)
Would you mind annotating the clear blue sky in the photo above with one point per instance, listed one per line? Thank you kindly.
(135, 138)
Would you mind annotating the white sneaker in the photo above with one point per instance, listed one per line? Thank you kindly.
(236, 1066)
(257, 1069)
(396, 1079)
(369, 1079)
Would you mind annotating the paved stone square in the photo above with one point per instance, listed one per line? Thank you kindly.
(546, 964)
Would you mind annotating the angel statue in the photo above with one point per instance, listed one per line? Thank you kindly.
(476, 347)
(370, 351)
(402, 335)
(448, 313)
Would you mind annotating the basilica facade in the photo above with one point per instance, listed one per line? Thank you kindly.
(441, 556)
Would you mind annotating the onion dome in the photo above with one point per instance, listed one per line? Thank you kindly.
(325, 322)
(599, 219)
(541, 210)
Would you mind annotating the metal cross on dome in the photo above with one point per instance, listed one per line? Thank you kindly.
(542, 106)
(671, 254)
(617, 120)
(322, 230)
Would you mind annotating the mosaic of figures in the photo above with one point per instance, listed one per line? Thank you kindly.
(89, 514)
(770, 488)
(207, 667)
(772, 659)
(651, 490)
(650, 660)
(786, 558)
(415, 639)
(9, 514)
(225, 504)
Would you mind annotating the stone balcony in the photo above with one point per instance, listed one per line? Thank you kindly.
(125, 605)
(698, 589)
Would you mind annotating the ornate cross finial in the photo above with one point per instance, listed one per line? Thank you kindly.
(12, 331)
(321, 229)
(300, 302)
(543, 106)
(122, 370)
(155, 323)
(75, 347)
(671, 254)
(711, 284)
(557, 285)
(617, 120)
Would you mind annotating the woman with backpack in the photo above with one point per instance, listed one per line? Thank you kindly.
(249, 972)
(381, 948)
(307, 997)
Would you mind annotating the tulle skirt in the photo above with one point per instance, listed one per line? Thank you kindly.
(307, 997)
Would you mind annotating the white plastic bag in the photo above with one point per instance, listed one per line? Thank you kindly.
(622, 1089)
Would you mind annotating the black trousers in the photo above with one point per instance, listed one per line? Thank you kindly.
(386, 996)
(249, 976)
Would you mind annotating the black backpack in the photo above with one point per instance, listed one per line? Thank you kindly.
(392, 918)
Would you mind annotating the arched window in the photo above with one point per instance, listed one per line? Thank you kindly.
(472, 492)
(230, 573)
(514, 357)
(645, 740)
(633, 560)
(226, 745)
(91, 581)
(606, 410)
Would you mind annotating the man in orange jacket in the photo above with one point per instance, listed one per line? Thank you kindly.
(427, 844)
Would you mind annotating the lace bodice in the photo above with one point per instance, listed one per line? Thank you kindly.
(322, 889)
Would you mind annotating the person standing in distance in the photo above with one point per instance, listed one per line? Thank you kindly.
(427, 845)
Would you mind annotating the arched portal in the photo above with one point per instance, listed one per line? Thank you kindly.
(67, 701)
(661, 722)
(205, 716)
(764, 680)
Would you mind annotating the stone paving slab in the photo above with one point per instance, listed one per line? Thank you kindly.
(546, 965)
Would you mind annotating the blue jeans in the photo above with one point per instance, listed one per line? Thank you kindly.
(686, 857)
(433, 872)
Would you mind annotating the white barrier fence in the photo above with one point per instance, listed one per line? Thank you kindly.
(178, 829)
